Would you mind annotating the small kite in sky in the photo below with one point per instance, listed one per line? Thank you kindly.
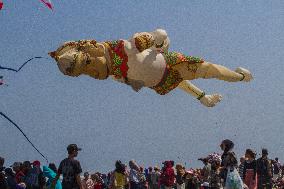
(1, 4)
(1, 80)
(2, 83)
(47, 3)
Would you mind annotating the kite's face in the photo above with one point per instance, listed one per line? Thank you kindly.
(69, 63)
(96, 68)
(87, 59)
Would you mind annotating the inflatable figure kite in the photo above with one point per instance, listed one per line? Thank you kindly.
(144, 61)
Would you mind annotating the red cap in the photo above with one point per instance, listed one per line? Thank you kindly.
(36, 163)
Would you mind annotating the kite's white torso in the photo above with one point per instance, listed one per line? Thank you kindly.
(147, 66)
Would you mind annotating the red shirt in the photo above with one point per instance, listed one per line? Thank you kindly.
(98, 186)
(19, 176)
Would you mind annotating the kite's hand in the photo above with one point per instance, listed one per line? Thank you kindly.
(160, 37)
(247, 76)
(211, 100)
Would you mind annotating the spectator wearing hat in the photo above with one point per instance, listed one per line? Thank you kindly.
(71, 169)
(264, 171)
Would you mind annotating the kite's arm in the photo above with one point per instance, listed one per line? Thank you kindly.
(157, 39)
(207, 100)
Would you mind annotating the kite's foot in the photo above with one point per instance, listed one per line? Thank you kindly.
(247, 75)
(211, 100)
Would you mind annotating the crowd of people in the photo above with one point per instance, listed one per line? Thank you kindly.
(219, 171)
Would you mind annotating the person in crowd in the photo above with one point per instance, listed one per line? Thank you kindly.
(97, 181)
(105, 180)
(149, 177)
(119, 177)
(87, 182)
(142, 179)
(249, 171)
(205, 172)
(53, 167)
(10, 178)
(276, 168)
(155, 177)
(180, 172)
(3, 181)
(264, 171)
(241, 167)
(168, 175)
(214, 177)
(229, 164)
(71, 169)
(34, 178)
(133, 175)
(2, 161)
(191, 180)
(27, 166)
(17, 168)
(50, 173)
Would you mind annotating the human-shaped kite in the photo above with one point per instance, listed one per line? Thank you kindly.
(144, 61)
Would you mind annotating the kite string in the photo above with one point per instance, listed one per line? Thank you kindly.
(17, 70)
(1, 113)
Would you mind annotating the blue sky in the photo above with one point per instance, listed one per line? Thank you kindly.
(108, 119)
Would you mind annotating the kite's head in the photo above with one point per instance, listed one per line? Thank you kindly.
(82, 57)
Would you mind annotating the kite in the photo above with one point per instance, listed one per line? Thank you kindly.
(17, 70)
(2, 83)
(1, 4)
(144, 61)
(47, 3)
(6, 117)
(1, 80)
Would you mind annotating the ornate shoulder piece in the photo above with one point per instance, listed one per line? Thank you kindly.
(144, 41)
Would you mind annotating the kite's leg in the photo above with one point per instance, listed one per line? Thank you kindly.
(208, 70)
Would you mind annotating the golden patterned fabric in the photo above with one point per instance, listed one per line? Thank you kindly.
(143, 42)
(172, 78)
(118, 57)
